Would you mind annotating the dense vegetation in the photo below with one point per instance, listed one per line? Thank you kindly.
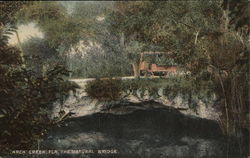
(116, 89)
(203, 38)
(104, 39)
(209, 39)
(25, 97)
(105, 90)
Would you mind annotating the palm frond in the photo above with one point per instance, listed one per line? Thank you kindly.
(5, 33)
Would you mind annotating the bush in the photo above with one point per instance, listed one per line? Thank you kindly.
(25, 98)
(113, 89)
(25, 105)
(105, 90)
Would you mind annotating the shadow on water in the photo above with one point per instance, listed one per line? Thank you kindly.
(144, 133)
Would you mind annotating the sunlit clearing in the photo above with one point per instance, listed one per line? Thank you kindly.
(25, 32)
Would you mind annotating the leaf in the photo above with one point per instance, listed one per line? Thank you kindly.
(1, 115)
(4, 111)
(6, 133)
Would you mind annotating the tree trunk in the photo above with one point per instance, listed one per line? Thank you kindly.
(122, 39)
(196, 37)
(136, 70)
(43, 70)
(21, 49)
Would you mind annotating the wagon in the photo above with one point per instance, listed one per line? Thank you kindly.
(152, 69)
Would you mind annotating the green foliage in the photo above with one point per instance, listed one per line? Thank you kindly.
(105, 55)
(160, 59)
(239, 14)
(25, 99)
(134, 48)
(9, 9)
(113, 89)
(201, 34)
(39, 55)
(173, 87)
(170, 25)
(25, 104)
(96, 64)
(104, 90)
(41, 12)
(90, 9)
(54, 21)
(7, 19)
(9, 56)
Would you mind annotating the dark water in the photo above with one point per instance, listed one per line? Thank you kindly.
(143, 133)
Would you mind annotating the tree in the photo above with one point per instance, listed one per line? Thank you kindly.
(106, 55)
(40, 55)
(134, 50)
(8, 22)
(203, 40)
(65, 29)
(24, 98)
(127, 29)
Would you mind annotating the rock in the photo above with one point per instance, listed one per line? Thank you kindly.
(142, 130)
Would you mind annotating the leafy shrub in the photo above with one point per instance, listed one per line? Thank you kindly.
(110, 89)
(106, 90)
(25, 105)
(172, 87)
(96, 59)
(25, 98)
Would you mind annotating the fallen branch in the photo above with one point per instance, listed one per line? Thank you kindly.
(65, 115)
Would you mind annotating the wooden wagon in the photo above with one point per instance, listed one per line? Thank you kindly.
(154, 69)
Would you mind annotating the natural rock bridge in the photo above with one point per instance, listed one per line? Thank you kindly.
(80, 104)
(139, 129)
